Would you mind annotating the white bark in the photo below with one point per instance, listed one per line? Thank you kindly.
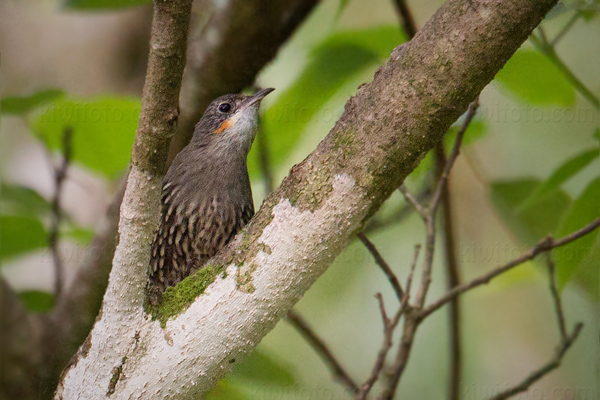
(195, 348)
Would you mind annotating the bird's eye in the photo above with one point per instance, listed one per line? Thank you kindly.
(224, 108)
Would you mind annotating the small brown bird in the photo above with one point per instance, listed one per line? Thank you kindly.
(206, 194)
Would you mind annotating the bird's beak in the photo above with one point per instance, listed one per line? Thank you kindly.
(258, 96)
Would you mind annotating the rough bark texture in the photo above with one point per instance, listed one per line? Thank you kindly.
(237, 42)
(139, 210)
(384, 132)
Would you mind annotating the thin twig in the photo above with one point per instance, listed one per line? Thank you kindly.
(397, 216)
(410, 199)
(543, 246)
(437, 194)
(413, 266)
(406, 19)
(388, 330)
(452, 280)
(546, 48)
(565, 29)
(565, 341)
(60, 174)
(544, 370)
(385, 267)
(321, 348)
(389, 326)
(560, 316)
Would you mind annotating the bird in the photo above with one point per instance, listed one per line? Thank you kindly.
(206, 193)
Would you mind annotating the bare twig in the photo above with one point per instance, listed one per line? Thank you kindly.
(437, 194)
(389, 326)
(547, 49)
(388, 330)
(406, 19)
(397, 215)
(60, 173)
(566, 340)
(566, 28)
(452, 279)
(413, 266)
(410, 199)
(321, 348)
(387, 270)
(545, 245)
(556, 297)
(544, 370)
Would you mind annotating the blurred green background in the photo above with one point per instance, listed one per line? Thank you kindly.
(529, 167)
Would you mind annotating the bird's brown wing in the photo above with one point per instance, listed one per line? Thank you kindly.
(187, 238)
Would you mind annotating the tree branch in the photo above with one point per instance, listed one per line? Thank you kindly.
(387, 270)
(566, 340)
(139, 211)
(385, 130)
(322, 350)
(60, 173)
(544, 246)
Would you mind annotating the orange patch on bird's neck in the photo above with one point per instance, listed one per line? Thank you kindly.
(224, 125)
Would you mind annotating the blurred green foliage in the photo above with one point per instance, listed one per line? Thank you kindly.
(256, 372)
(532, 79)
(21, 234)
(102, 5)
(19, 105)
(103, 131)
(37, 301)
(332, 64)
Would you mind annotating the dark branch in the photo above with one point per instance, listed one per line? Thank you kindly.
(543, 246)
(566, 341)
(60, 173)
(321, 349)
(387, 270)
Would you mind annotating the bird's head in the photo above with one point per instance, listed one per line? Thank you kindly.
(230, 123)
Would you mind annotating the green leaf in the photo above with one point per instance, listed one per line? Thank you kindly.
(342, 7)
(260, 367)
(533, 79)
(103, 131)
(582, 256)
(227, 389)
(332, 64)
(532, 222)
(258, 370)
(77, 233)
(37, 301)
(20, 200)
(475, 131)
(19, 105)
(20, 234)
(562, 174)
(99, 5)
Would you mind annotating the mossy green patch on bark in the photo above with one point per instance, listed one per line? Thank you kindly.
(177, 299)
